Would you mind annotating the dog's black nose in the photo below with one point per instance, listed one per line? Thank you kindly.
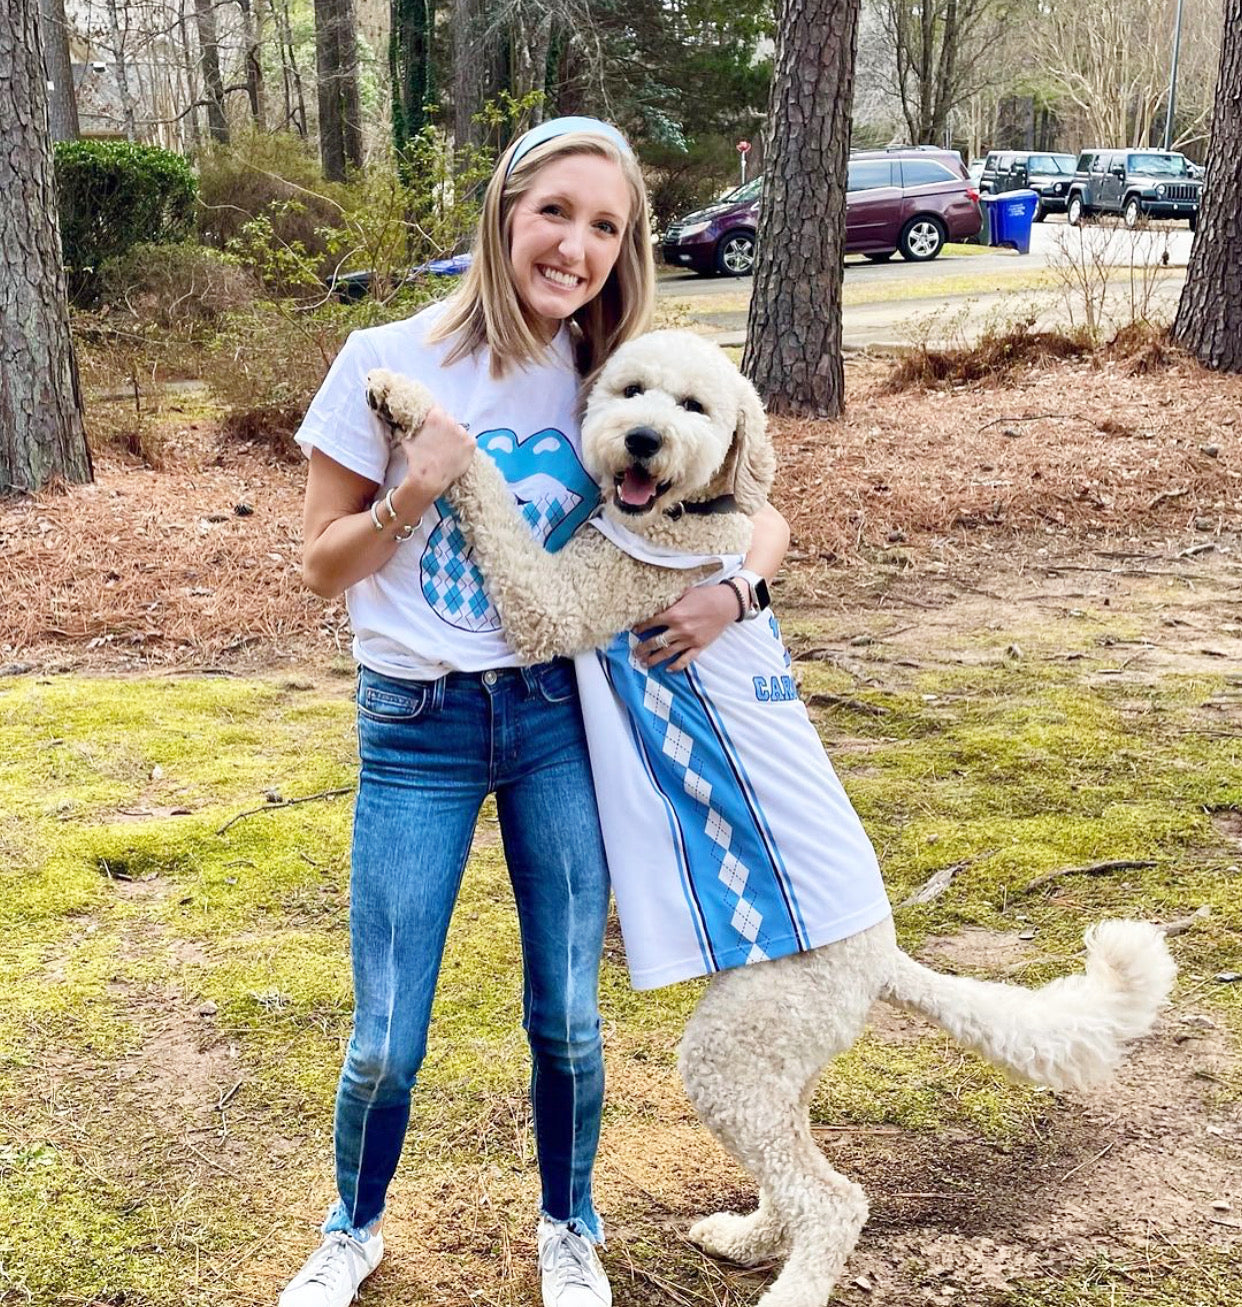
(642, 442)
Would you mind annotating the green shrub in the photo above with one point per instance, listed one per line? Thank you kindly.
(270, 175)
(114, 195)
(175, 286)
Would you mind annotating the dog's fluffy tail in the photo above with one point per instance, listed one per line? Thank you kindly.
(1067, 1034)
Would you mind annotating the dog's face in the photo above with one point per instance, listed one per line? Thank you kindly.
(670, 419)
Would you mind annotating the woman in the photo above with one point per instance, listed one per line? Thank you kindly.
(562, 274)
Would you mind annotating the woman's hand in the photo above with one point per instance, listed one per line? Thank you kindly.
(703, 612)
(341, 545)
(691, 624)
(436, 454)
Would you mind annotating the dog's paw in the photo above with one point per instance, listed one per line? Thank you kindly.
(744, 1240)
(400, 403)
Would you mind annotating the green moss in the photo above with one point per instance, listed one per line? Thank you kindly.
(109, 921)
(926, 1085)
(1166, 1276)
(68, 1235)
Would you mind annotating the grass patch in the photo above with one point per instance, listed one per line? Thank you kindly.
(150, 963)
(1169, 1277)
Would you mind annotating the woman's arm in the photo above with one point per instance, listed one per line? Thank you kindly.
(340, 544)
(700, 615)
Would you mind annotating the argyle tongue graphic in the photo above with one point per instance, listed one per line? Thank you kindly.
(555, 496)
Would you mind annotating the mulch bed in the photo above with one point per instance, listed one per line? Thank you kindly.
(197, 564)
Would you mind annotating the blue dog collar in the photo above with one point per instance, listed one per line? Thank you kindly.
(555, 127)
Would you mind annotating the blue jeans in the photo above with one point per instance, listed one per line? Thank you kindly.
(431, 752)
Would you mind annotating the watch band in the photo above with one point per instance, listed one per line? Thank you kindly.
(760, 597)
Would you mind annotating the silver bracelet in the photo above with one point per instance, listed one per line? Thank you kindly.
(375, 522)
(390, 506)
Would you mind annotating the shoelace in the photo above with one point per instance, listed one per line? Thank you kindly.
(572, 1260)
(334, 1263)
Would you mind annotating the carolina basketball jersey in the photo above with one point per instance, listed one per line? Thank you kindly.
(730, 839)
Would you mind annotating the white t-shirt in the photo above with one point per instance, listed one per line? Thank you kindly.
(426, 612)
(730, 839)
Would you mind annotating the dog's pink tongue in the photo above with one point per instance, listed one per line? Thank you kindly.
(636, 487)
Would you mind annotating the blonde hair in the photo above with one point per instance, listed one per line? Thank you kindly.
(487, 311)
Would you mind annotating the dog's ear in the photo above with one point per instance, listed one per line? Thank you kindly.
(754, 460)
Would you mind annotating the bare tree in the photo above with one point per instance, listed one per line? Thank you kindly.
(793, 336)
(937, 49)
(1209, 316)
(41, 434)
(117, 35)
(530, 38)
(190, 114)
(252, 25)
(209, 61)
(291, 73)
(1110, 59)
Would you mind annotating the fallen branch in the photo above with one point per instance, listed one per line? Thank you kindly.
(285, 803)
(1091, 1161)
(1035, 417)
(939, 881)
(815, 654)
(1095, 869)
(1183, 924)
(1166, 495)
(825, 700)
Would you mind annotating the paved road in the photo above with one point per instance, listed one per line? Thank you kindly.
(934, 290)
(1051, 241)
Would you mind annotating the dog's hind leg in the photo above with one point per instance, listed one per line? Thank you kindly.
(750, 1058)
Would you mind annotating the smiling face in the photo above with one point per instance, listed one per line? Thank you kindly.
(666, 422)
(565, 236)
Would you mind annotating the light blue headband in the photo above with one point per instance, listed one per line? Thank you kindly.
(555, 127)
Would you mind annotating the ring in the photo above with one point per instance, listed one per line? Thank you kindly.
(661, 641)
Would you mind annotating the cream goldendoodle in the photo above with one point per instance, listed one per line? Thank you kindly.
(675, 438)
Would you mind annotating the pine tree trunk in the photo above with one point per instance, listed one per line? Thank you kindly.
(351, 103)
(469, 72)
(1209, 316)
(209, 60)
(62, 101)
(793, 336)
(327, 70)
(41, 433)
(336, 67)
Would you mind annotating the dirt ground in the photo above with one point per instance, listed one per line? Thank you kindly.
(1077, 505)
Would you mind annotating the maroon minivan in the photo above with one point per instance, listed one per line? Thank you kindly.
(905, 201)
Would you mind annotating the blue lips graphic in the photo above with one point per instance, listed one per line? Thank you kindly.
(555, 496)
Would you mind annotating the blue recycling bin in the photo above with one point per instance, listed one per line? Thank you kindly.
(1009, 218)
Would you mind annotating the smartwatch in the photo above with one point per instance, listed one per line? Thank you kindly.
(760, 598)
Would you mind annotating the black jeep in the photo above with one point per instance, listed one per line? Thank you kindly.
(1137, 184)
(1047, 174)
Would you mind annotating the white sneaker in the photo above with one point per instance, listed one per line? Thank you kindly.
(571, 1272)
(334, 1271)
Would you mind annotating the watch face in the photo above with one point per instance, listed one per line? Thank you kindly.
(762, 598)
